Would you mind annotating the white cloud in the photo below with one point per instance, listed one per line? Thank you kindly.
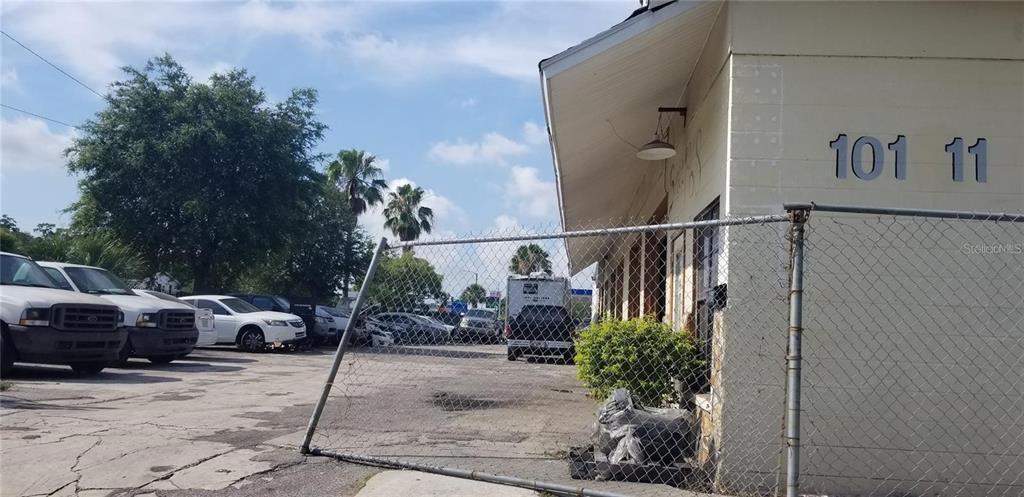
(467, 103)
(383, 164)
(492, 149)
(202, 71)
(526, 192)
(534, 134)
(29, 145)
(95, 39)
(507, 42)
(8, 78)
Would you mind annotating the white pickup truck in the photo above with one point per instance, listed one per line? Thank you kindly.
(158, 330)
(42, 323)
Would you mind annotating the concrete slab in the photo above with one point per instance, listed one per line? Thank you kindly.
(221, 471)
(416, 484)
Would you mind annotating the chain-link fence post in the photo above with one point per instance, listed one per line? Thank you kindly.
(345, 337)
(796, 290)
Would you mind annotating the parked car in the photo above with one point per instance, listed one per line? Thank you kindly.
(480, 324)
(413, 328)
(247, 326)
(158, 330)
(204, 317)
(371, 332)
(42, 323)
(337, 320)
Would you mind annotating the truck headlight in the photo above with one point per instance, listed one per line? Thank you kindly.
(35, 316)
(275, 322)
(147, 320)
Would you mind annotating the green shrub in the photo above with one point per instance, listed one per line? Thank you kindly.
(642, 355)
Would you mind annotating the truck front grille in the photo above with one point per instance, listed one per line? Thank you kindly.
(177, 320)
(84, 317)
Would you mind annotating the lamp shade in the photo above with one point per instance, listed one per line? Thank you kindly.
(656, 150)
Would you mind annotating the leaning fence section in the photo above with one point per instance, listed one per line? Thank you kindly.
(833, 350)
(637, 360)
(913, 382)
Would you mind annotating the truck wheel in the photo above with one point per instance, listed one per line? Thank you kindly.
(6, 357)
(252, 340)
(124, 354)
(161, 359)
(88, 368)
(513, 354)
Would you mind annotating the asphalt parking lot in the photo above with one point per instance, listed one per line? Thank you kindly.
(223, 422)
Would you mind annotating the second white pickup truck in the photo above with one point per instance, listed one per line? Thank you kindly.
(158, 330)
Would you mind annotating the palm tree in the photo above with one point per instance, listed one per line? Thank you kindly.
(98, 249)
(530, 259)
(356, 174)
(473, 294)
(404, 215)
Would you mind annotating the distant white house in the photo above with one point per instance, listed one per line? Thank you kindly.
(161, 282)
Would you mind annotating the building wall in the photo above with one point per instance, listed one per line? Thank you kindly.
(928, 73)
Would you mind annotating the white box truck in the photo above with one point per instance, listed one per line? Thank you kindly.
(537, 319)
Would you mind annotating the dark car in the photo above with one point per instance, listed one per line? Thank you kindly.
(412, 328)
(541, 330)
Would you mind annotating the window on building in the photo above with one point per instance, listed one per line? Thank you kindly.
(706, 249)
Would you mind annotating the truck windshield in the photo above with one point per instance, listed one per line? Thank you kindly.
(97, 281)
(20, 271)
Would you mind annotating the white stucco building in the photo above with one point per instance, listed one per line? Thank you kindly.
(779, 96)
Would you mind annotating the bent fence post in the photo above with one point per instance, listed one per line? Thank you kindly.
(793, 357)
(340, 353)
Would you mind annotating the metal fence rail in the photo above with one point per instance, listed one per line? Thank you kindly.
(832, 350)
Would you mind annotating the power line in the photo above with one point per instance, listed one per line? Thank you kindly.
(76, 80)
(23, 111)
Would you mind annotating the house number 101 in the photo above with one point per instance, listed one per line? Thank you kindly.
(852, 158)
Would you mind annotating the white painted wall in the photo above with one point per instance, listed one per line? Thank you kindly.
(909, 369)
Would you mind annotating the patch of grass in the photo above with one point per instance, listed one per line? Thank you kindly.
(5, 386)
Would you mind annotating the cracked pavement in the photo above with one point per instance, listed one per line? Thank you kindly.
(219, 422)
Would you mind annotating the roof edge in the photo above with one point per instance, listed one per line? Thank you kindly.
(638, 22)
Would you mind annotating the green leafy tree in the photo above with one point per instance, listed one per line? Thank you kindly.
(356, 174)
(201, 175)
(529, 259)
(406, 282)
(8, 223)
(45, 229)
(473, 294)
(404, 215)
(11, 241)
(318, 263)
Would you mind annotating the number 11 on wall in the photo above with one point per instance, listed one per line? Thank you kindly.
(980, 152)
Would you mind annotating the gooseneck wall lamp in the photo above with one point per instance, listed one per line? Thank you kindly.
(659, 148)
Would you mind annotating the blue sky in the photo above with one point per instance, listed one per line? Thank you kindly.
(446, 94)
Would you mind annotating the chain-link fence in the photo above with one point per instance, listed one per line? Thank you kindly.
(666, 359)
